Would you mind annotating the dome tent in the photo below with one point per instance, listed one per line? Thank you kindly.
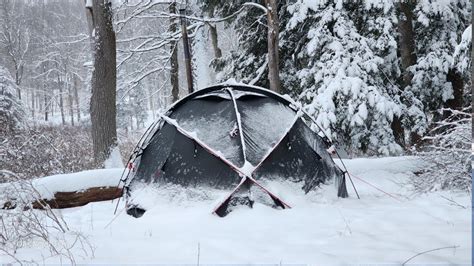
(231, 137)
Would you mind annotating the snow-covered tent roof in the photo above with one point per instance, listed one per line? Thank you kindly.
(224, 135)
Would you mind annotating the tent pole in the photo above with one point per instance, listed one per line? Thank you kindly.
(239, 123)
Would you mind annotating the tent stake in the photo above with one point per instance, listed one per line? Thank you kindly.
(347, 172)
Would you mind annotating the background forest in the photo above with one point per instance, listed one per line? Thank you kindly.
(380, 77)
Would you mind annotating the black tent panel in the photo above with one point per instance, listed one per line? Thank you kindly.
(214, 121)
(264, 122)
(316, 143)
(296, 159)
(156, 154)
(189, 164)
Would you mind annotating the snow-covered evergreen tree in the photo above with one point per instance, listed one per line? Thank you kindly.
(340, 75)
(462, 52)
(12, 111)
(449, 150)
(438, 27)
(463, 62)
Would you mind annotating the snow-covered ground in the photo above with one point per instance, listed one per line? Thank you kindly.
(320, 229)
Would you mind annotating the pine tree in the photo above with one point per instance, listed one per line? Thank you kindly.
(438, 27)
(340, 75)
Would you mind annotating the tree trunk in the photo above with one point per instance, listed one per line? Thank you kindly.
(187, 50)
(214, 41)
(33, 103)
(18, 79)
(458, 86)
(39, 102)
(151, 100)
(406, 43)
(174, 71)
(61, 101)
(70, 101)
(76, 98)
(63, 200)
(406, 40)
(46, 105)
(103, 98)
(272, 41)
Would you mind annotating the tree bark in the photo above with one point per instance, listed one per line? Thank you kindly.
(272, 42)
(174, 71)
(214, 41)
(70, 101)
(187, 50)
(457, 83)
(406, 43)
(76, 98)
(104, 81)
(406, 40)
(46, 104)
(63, 200)
(61, 101)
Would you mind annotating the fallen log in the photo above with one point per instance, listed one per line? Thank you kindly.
(62, 200)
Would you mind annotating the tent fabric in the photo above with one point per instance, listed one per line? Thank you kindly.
(212, 119)
(245, 129)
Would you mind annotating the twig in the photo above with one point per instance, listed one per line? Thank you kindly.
(454, 202)
(424, 252)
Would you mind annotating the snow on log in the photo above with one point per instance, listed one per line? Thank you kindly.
(65, 190)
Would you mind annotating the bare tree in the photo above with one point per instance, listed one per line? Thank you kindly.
(104, 80)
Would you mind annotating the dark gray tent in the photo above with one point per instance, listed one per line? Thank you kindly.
(231, 137)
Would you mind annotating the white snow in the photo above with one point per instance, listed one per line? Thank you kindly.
(247, 168)
(114, 160)
(319, 229)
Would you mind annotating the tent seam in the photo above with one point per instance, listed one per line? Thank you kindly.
(239, 123)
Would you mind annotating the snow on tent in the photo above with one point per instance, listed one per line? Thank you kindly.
(231, 137)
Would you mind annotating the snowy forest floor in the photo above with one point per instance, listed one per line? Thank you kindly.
(320, 229)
